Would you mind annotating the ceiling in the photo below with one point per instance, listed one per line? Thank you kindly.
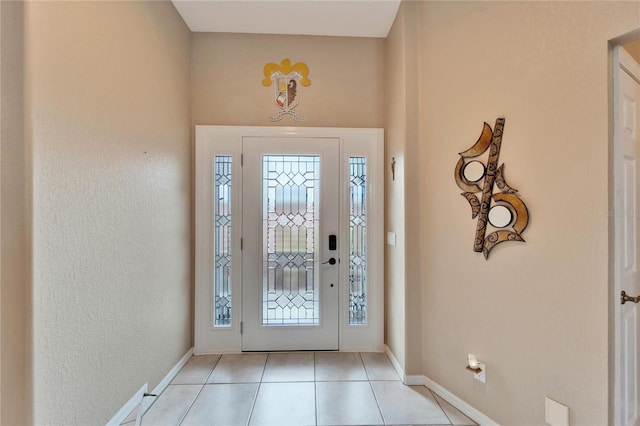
(351, 18)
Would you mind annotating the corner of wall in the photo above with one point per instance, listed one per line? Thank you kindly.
(15, 223)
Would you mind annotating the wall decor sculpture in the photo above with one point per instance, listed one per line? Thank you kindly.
(508, 214)
(288, 81)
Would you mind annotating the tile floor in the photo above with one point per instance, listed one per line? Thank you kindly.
(302, 388)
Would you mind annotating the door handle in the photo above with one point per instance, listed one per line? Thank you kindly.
(331, 261)
(624, 298)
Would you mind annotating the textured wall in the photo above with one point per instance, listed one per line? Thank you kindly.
(108, 95)
(535, 313)
(347, 79)
(15, 193)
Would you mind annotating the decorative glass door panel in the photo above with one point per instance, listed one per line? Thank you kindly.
(290, 207)
(357, 240)
(290, 226)
(222, 218)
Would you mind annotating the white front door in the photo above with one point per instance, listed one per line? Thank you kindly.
(627, 149)
(290, 214)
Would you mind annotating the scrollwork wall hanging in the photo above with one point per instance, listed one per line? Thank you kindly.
(289, 80)
(508, 214)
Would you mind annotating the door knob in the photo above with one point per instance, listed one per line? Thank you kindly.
(331, 261)
(624, 298)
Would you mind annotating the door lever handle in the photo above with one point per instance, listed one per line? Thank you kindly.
(624, 298)
(331, 261)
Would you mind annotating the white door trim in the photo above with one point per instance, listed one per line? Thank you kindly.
(227, 140)
(623, 63)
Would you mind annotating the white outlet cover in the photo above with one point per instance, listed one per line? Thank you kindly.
(555, 414)
(482, 375)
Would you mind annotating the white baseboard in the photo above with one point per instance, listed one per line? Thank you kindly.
(418, 380)
(146, 404)
(128, 407)
(394, 362)
(409, 380)
(470, 411)
(413, 380)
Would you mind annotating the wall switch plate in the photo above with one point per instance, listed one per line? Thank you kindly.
(555, 414)
(391, 238)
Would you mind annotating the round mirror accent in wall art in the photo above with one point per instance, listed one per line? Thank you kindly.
(473, 171)
(500, 216)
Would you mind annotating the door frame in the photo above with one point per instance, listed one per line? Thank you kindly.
(622, 62)
(227, 140)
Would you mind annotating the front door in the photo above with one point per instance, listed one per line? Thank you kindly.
(290, 225)
(289, 239)
(627, 192)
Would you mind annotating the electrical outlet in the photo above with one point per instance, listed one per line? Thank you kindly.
(482, 375)
(555, 414)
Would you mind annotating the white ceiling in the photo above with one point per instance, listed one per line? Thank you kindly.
(352, 18)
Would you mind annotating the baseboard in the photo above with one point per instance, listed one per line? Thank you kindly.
(146, 404)
(413, 380)
(394, 362)
(419, 380)
(409, 380)
(128, 407)
(470, 411)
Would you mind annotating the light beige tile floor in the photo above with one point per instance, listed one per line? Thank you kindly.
(302, 388)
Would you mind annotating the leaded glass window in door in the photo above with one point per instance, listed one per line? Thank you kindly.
(357, 240)
(222, 241)
(290, 224)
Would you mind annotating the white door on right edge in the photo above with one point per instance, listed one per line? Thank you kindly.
(627, 218)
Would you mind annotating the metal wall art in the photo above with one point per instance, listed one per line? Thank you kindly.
(509, 214)
(288, 80)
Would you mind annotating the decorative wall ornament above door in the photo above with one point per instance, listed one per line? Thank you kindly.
(473, 176)
(288, 80)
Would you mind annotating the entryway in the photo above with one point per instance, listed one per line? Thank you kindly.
(289, 250)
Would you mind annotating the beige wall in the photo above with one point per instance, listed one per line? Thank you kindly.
(15, 192)
(395, 147)
(403, 295)
(108, 99)
(535, 313)
(346, 74)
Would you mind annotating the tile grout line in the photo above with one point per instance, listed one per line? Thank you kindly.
(255, 398)
(364, 365)
(190, 405)
(206, 381)
(375, 397)
(315, 389)
(200, 391)
(438, 402)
